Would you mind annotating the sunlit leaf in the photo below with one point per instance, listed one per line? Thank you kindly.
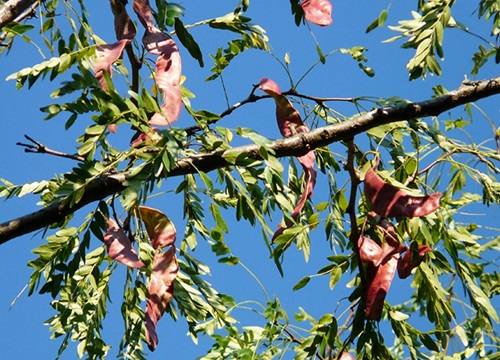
(302, 282)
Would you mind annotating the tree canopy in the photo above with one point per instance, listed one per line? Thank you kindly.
(254, 174)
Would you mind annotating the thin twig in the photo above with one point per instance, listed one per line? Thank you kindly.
(250, 99)
(293, 92)
(254, 98)
(297, 341)
(40, 148)
(346, 322)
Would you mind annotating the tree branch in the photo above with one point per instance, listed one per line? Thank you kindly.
(293, 146)
(29, 13)
(99, 189)
(40, 148)
(12, 9)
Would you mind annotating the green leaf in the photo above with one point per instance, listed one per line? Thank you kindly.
(87, 147)
(188, 41)
(398, 316)
(367, 70)
(461, 335)
(254, 37)
(231, 155)
(378, 22)
(382, 18)
(256, 138)
(58, 64)
(67, 232)
(28, 189)
(219, 219)
(229, 260)
(373, 25)
(302, 282)
(322, 57)
(335, 276)
(95, 129)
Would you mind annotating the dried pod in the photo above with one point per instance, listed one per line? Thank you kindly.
(389, 201)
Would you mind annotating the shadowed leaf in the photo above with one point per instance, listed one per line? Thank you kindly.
(188, 41)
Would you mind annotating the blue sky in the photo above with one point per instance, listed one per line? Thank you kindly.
(22, 333)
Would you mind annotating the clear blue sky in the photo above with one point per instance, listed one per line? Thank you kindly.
(22, 333)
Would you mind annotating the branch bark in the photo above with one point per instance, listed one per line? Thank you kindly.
(12, 9)
(293, 146)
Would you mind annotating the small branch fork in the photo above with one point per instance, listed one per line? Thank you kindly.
(39, 148)
(254, 98)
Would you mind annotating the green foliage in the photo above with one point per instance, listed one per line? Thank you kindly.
(253, 37)
(449, 311)
(297, 11)
(188, 41)
(167, 13)
(378, 22)
(357, 54)
(490, 9)
(425, 33)
(481, 57)
(10, 31)
(54, 66)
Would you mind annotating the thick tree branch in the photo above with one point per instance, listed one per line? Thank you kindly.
(12, 9)
(99, 189)
(294, 146)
